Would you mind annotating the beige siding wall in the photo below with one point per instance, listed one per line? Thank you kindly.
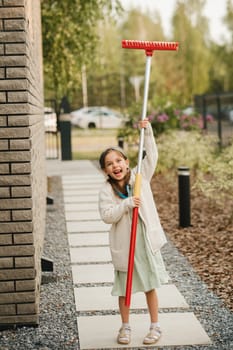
(22, 161)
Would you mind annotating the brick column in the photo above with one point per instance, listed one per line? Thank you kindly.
(22, 161)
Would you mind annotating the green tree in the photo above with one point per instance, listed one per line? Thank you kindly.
(228, 20)
(104, 73)
(69, 40)
(108, 76)
(221, 68)
(89, 32)
(228, 48)
(141, 26)
(190, 28)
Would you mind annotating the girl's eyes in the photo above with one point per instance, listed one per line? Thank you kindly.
(111, 163)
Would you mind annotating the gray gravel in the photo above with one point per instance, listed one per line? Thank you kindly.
(58, 330)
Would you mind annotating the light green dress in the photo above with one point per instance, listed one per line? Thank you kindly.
(149, 269)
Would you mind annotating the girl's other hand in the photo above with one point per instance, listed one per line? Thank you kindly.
(136, 201)
(143, 123)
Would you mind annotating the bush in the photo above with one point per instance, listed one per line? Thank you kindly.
(218, 186)
(183, 148)
(163, 115)
(212, 169)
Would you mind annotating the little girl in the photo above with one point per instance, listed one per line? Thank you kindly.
(116, 202)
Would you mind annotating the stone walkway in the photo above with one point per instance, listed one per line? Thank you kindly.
(97, 311)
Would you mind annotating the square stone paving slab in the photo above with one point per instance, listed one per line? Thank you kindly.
(81, 207)
(80, 199)
(87, 239)
(84, 186)
(85, 177)
(82, 216)
(97, 178)
(80, 192)
(100, 298)
(93, 273)
(90, 254)
(87, 226)
(66, 168)
(179, 329)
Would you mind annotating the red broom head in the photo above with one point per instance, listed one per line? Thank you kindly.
(149, 46)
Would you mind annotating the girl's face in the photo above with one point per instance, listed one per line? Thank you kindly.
(116, 166)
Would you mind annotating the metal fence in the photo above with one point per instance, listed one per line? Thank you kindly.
(220, 107)
(52, 138)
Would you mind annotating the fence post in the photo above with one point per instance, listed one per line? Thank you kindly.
(184, 196)
(204, 112)
(121, 142)
(65, 130)
(219, 116)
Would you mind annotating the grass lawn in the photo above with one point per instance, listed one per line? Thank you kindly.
(89, 143)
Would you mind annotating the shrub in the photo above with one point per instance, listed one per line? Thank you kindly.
(219, 184)
(212, 169)
(182, 148)
(130, 131)
(163, 115)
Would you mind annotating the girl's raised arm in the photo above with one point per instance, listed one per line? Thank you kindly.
(150, 160)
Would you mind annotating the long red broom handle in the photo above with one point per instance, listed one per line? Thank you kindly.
(137, 188)
(149, 47)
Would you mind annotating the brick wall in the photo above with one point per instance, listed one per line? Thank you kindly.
(22, 161)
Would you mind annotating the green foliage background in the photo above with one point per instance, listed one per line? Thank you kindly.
(89, 32)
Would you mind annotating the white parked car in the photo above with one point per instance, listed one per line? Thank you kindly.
(96, 117)
(50, 120)
(188, 110)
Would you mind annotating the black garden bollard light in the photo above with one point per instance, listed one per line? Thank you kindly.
(184, 196)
